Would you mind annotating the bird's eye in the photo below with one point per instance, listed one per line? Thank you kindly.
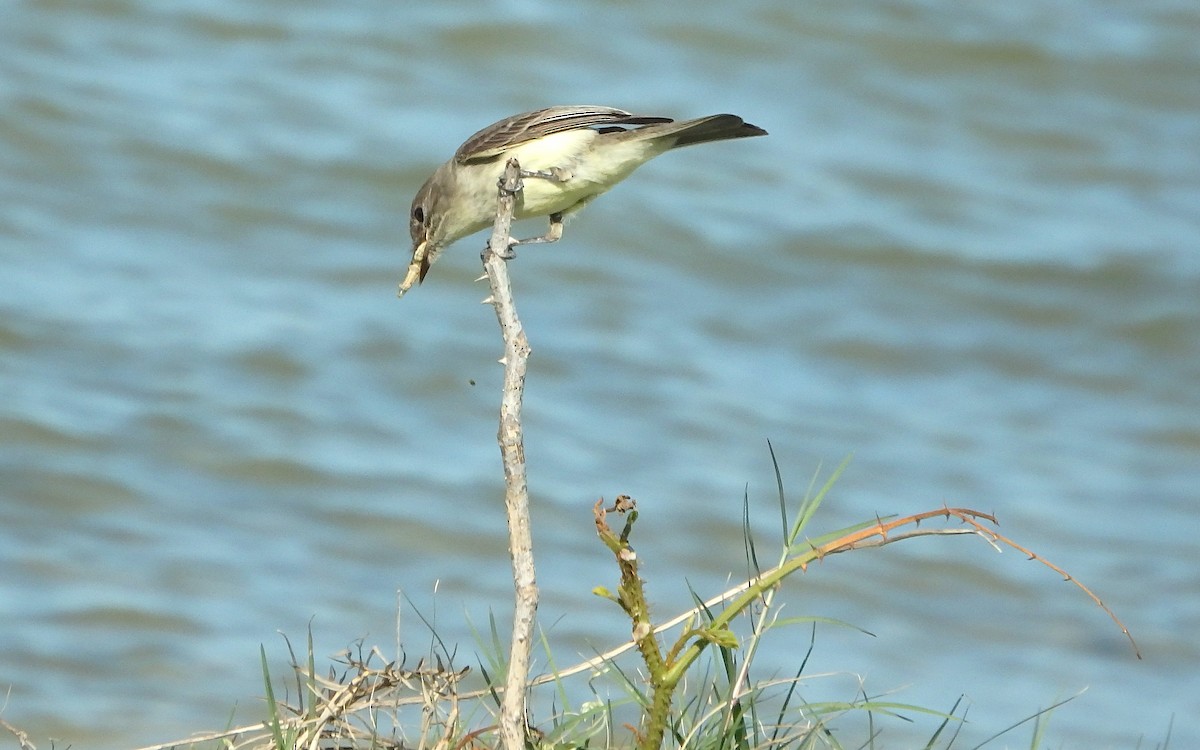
(418, 215)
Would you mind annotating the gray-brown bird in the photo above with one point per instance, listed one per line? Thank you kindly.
(573, 154)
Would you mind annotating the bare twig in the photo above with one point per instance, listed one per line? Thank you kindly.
(995, 537)
(22, 737)
(512, 450)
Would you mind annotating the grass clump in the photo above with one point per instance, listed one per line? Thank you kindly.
(690, 687)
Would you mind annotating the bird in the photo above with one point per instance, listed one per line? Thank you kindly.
(569, 155)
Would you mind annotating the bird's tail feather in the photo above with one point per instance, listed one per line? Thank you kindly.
(711, 128)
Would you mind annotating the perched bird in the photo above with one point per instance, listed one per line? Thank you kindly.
(569, 155)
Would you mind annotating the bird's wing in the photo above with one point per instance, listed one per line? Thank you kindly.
(512, 131)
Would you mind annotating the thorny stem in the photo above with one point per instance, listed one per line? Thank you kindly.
(512, 451)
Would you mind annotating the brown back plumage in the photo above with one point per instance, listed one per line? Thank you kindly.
(499, 137)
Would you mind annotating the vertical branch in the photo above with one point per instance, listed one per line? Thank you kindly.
(512, 451)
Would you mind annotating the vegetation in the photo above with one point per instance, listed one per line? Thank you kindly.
(693, 685)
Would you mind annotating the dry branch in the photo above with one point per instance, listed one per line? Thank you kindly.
(512, 450)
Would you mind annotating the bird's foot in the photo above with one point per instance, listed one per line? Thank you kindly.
(507, 253)
(554, 174)
(554, 234)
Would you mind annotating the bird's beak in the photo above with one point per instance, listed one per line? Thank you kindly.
(417, 268)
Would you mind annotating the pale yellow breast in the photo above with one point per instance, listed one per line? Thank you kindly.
(591, 168)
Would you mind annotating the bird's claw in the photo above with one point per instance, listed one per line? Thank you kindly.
(507, 253)
(554, 174)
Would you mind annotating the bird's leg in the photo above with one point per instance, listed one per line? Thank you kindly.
(555, 233)
(554, 174)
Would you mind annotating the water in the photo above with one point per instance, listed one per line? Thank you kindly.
(967, 255)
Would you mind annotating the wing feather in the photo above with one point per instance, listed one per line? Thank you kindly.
(499, 137)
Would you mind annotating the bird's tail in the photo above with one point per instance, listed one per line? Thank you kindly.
(705, 129)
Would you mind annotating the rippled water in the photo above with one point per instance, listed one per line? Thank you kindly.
(968, 254)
